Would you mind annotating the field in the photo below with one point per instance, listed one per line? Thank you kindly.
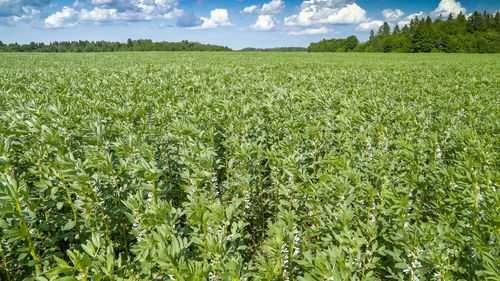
(249, 166)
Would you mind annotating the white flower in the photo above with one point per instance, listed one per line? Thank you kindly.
(406, 224)
(229, 237)
(439, 154)
(479, 197)
(372, 218)
(213, 277)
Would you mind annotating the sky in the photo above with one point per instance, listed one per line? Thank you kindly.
(233, 23)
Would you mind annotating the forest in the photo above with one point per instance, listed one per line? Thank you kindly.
(477, 33)
(105, 46)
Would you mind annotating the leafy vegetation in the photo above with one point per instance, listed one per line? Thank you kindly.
(335, 45)
(477, 33)
(104, 46)
(238, 166)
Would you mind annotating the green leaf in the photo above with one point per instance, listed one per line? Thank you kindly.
(69, 225)
(61, 261)
(66, 278)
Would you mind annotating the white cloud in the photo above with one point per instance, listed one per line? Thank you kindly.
(65, 18)
(250, 9)
(106, 11)
(407, 20)
(264, 22)
(392, 15)
(101, 2)
(447, 7)
(371, 25)
(273, 7)
(314, 12)
(218, 17)
(310, 31)
(104, 15)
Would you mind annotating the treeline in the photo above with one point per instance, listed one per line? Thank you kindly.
(278, 49)
(477, 33)
(105, 46)
(335, 45)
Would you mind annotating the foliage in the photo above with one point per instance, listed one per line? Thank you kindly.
(477, 33)
(246, 166)
(104, 46)
(334, 45)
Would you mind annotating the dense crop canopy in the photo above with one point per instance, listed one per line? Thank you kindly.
(246, 166)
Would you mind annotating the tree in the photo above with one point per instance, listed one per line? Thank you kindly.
(396, 30)
(496, 20)
(351, 42)
(479, 32)
(428, 21)
(423, 39)
(461, 23)
(388, 45)
(475, 23)
(384, 29)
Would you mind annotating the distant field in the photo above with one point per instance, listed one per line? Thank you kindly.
(249, 166)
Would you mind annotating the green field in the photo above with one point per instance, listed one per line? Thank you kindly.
(249, 166)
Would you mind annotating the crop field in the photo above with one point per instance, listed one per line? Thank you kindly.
(249, 166)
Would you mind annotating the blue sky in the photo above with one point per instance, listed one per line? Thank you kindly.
(233, 23)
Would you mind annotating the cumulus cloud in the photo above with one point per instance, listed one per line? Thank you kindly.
(250, 9)
(315, 12)
(105, 11)
(310, 31)
(67, 17)
(272, 8)
(370, 25)
(264, 22)
(392, 15)
(447, 7)
(218, 17)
